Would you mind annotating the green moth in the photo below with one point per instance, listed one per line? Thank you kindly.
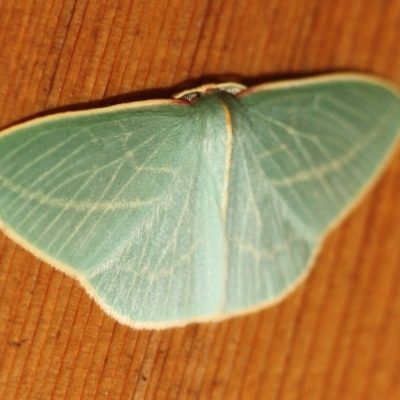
(208, 205)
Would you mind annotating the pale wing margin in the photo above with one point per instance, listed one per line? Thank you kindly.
(321, 141)
(115, 198)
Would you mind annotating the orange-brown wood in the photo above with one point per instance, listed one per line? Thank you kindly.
(336, 337)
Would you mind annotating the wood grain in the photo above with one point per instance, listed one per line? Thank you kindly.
(336, 337)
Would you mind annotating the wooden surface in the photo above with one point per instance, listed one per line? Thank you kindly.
(336, 337)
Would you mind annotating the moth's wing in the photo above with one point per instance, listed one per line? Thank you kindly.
(121, 198)
(321, 140)
(304, 153)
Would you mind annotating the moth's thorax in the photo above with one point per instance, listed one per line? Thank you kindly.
(192, 94)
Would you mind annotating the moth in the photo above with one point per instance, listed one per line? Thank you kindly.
(200, 207)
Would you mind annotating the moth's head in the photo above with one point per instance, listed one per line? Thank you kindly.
(192, 94)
